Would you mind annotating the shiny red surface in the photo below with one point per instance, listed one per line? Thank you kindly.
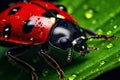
(28, 11)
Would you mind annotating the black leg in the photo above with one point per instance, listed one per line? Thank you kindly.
(11, 54)
(52, 63)
(97, 36)
(69, 57)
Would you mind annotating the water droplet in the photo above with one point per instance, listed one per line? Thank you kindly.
(85, 6)
(102, 63)
(98, 49)
(112, 14)
(95, 70)
(119, 59)
(109, 32)
(115, 26)
(94, 22)
(70, 9)
(110, 45)
(45, 72)
(91, 39)
(4, 20)
(89, 14)
(100, 31)
(72, 77)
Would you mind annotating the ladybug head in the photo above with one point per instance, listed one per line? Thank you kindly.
(79, 44)
(66, 34)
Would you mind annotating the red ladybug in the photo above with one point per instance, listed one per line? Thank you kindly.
(43, 23)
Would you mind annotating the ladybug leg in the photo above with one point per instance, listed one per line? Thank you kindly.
(97, 36)
(69, 57)
(52, 63)
(12, 55)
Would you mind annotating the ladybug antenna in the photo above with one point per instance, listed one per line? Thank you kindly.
(83, 53)
(102, 37)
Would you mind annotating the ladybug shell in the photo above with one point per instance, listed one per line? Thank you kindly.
(14, 26)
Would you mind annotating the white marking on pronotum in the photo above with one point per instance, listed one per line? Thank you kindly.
(60, 30)
(52, 19)
(60, 16)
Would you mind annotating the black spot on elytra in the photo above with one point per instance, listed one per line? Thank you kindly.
(6, 31)
(28, 26)
(14, 10)
(50, 13)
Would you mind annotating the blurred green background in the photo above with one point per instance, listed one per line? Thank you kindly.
(101, 16)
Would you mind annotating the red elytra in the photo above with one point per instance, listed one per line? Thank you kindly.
(29, 11)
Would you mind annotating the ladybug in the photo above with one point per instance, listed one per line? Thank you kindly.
(43, 23)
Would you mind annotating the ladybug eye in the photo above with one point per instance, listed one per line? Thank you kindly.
(6, 31)
(62, 7)
(28, 26)
(14, 10)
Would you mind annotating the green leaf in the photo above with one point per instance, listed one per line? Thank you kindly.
(101, 16)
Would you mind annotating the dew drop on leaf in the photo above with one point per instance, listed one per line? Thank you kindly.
(72, 77)
(100, 31)
(91, 39)
(70, 10)
(119, 59)
(109, 32)
(94, 22)
(45, 72)
(102, 63)
(89, 14)
(110, 45)
(115, 27)
(112, 14)
(95, 70)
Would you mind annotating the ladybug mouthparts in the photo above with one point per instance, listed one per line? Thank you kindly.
(79, 44)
